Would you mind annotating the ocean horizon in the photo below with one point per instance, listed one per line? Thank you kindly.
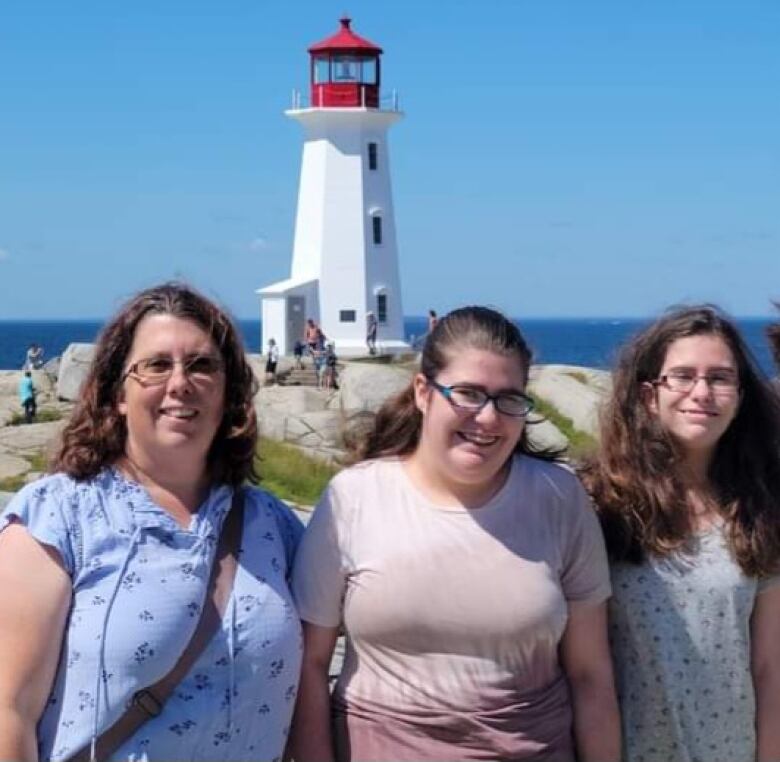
(590, 342)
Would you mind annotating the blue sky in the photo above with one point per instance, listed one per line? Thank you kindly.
(558, 158)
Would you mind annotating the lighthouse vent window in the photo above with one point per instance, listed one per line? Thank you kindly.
(381, 308)
(372, 158)
(347, 316)
(377, 229)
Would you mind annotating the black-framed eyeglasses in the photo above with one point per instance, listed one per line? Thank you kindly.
(722, 384)
(473, 398)
(157, 370)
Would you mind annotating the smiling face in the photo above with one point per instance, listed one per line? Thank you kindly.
(180, 416)
(467, 450)
(698, 418)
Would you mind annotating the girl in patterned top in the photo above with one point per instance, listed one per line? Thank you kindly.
(104, 564)
(687, 484)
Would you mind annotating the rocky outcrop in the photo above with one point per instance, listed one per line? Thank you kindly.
(365, 386)
(314, 420)
(74, 365)
(573, 391)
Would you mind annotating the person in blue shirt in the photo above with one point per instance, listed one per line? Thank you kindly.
(105, 563)
(27, 396)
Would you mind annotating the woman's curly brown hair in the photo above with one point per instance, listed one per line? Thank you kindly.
(635, 479)
(96, 433)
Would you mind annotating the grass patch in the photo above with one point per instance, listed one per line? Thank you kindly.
(578, 375)
(44, 415)
(291, 475)
(581, 444)
(12, 483)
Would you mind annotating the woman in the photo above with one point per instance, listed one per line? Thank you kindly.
(468, 572)
(105, 564)
(687, 483)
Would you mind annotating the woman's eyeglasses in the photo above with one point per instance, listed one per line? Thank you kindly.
(474, 399)
(157, 370)
(721, 384)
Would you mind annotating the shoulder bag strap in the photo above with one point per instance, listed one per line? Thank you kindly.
(149, 702)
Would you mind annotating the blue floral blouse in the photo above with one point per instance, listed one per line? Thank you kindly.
(139, 581)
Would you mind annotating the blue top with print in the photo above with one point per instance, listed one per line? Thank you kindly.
(139, 581)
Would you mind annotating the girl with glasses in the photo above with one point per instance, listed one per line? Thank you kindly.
(469, 574)
(687, 484)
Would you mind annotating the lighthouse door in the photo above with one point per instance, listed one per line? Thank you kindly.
(296, 318)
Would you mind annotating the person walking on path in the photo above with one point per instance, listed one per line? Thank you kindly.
(371, 327)
(468, 571)
(687, 486)
(27, 397)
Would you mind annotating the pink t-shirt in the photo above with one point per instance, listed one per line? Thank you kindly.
(453, 615)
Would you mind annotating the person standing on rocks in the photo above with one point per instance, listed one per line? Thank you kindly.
(468, 571)
(27, 397)
(34, 358)
(687, 485)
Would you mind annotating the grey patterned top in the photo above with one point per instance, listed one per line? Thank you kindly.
(680, 635)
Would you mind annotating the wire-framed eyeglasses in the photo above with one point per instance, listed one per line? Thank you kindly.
(720, 383)
(473, 398)
(157, 370)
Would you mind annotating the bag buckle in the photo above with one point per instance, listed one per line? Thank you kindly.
(147, 702)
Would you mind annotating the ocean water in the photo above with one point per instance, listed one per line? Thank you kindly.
(589, 342)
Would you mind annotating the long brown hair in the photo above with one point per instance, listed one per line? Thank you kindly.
(635, 478)
(395, 429)
(96, 433)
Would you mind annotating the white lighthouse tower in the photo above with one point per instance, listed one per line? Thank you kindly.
(345, 256)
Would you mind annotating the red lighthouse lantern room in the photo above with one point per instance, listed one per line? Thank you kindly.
(345, 70)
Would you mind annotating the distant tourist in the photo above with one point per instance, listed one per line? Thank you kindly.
(34, 357)
(271, 362)
(131, 629)
(687, 485)
(27, 396)
(298, 354)
(468, 571)
(371, 327)
(331, 361)
(432, 320)
(310, 336)
(319, 357)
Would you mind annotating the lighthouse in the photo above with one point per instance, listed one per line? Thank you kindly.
(345, 254)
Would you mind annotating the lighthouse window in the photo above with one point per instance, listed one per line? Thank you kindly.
(369, 71)
(377, 229)
(321, 69)
(381, 308)
(346, 69)
(347, 316)
(372, 161)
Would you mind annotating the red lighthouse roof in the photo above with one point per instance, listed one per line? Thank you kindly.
(345, 40)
